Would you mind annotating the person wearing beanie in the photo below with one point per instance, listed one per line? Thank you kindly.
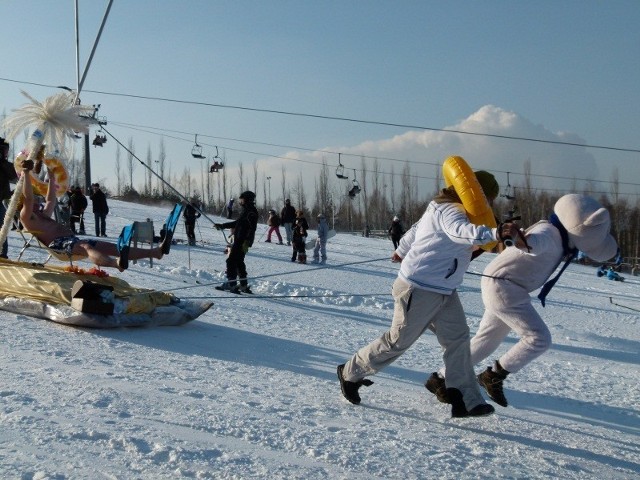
(395, 231)
(435, 254)
(578, 223)
(244, 232)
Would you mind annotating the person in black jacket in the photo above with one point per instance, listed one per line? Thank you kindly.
(7, 175)
(191, 214)
(78, 204)
(300, 228)
(396, 231)
(287, 217)
(244, 231)
(100, 209)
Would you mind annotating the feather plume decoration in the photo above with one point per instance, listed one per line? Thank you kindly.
(56, 117)
(53, 121)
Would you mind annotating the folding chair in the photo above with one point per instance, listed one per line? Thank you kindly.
(143, 233)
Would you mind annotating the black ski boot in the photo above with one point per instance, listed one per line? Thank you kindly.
(491, 380)
(435, 384)
(459, 409)
(350, 389)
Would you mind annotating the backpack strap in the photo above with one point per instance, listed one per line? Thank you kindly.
(568, 254)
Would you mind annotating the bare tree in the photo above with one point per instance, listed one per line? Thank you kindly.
(149, 175)
(162, 159)
(283, 171)
(118, 171)
(131, 165)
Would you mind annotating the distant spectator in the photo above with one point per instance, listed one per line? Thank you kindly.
(299, 239)
(100, 210)
(229, 208)
(190, 215)
(274, 226)
(287, 217)
(320, 248)
(78, 204)
(7, 175)
(396, 231)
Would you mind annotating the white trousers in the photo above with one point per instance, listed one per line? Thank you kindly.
(508, 307)
(415, 310)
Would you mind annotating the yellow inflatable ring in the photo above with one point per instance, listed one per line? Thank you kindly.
(458, 173)
(56, 168)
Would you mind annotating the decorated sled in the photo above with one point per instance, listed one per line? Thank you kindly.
(89, 299)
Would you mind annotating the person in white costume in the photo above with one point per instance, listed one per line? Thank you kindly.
(579, 223)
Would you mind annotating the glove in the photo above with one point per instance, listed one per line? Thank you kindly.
(27, 165)
(245, 246)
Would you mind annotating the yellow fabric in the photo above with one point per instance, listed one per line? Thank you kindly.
(53, 285)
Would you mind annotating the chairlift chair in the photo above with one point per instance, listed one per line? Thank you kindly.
(356, 186)
(217, 163)
(340, 170)
(196, 151)
(509, 191)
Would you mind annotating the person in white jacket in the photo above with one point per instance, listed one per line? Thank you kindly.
(435, 255)
(579, 223)
(320, 248)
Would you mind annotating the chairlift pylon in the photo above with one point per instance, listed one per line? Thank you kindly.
(196, 151)
(340, 170)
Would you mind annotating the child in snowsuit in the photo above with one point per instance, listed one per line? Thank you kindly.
(578, 222)
(300, 228)
(320, 247)
(274, 226)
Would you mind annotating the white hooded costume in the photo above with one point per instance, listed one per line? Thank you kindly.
(515, 273)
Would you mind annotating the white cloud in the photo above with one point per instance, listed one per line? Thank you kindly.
(499, 155)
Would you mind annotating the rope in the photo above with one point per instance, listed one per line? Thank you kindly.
(335, 295)
(133, 155)
(279, 274)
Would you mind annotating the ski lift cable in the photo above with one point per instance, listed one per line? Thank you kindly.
(159, 177)
(144, 128)
(421, 177)
(345, 119)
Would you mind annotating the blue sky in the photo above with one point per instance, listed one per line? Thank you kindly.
(559, 71)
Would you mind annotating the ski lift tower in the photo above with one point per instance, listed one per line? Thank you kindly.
(81, 79)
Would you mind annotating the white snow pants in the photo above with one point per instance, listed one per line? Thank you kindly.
(508, 307)
(415, 310)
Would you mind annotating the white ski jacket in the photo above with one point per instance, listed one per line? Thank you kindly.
(512, 275)
(436, 251)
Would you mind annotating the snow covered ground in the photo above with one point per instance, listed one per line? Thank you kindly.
(249, 389)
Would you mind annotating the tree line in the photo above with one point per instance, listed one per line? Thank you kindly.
(382, 195)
